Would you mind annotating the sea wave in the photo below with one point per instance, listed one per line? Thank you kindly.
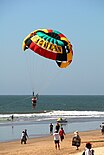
(52, 115)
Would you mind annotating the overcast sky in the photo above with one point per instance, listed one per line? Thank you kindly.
(81, 21)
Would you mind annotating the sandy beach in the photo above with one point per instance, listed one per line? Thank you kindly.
(45, 145)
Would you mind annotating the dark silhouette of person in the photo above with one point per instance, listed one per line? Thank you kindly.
(51, 128)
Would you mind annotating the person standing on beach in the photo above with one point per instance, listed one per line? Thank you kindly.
(26, 133)
(57, 127)
(88, 150)
(12, 117)
(76, 141)
(51, 128)
(102, 128)
(61, 133)
(56, 140)
(24, 137)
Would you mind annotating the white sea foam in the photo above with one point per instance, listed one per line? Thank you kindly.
(54, 115)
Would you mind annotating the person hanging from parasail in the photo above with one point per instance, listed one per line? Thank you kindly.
(34, 99)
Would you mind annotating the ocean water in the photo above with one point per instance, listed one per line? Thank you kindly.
(52, 106)
(78, 110)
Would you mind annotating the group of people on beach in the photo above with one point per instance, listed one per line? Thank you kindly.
(76, 140)
(58, 134)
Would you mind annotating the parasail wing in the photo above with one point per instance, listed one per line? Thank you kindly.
(50, 44)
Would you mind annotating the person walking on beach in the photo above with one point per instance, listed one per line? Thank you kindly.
(51, 128)
(88, 150)
(57, 127)
(76, 141)
(102, 128)
(56, 140)
(61, 133)
(24, 137)
(26, 133)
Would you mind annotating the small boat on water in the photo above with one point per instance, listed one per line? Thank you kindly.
(60, 120)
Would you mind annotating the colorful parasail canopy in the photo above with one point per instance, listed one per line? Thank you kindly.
(50, 44)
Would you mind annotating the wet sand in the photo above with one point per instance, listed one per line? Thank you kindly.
(45, 145)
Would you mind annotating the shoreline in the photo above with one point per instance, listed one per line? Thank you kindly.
(45, 145)
(41, 129)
